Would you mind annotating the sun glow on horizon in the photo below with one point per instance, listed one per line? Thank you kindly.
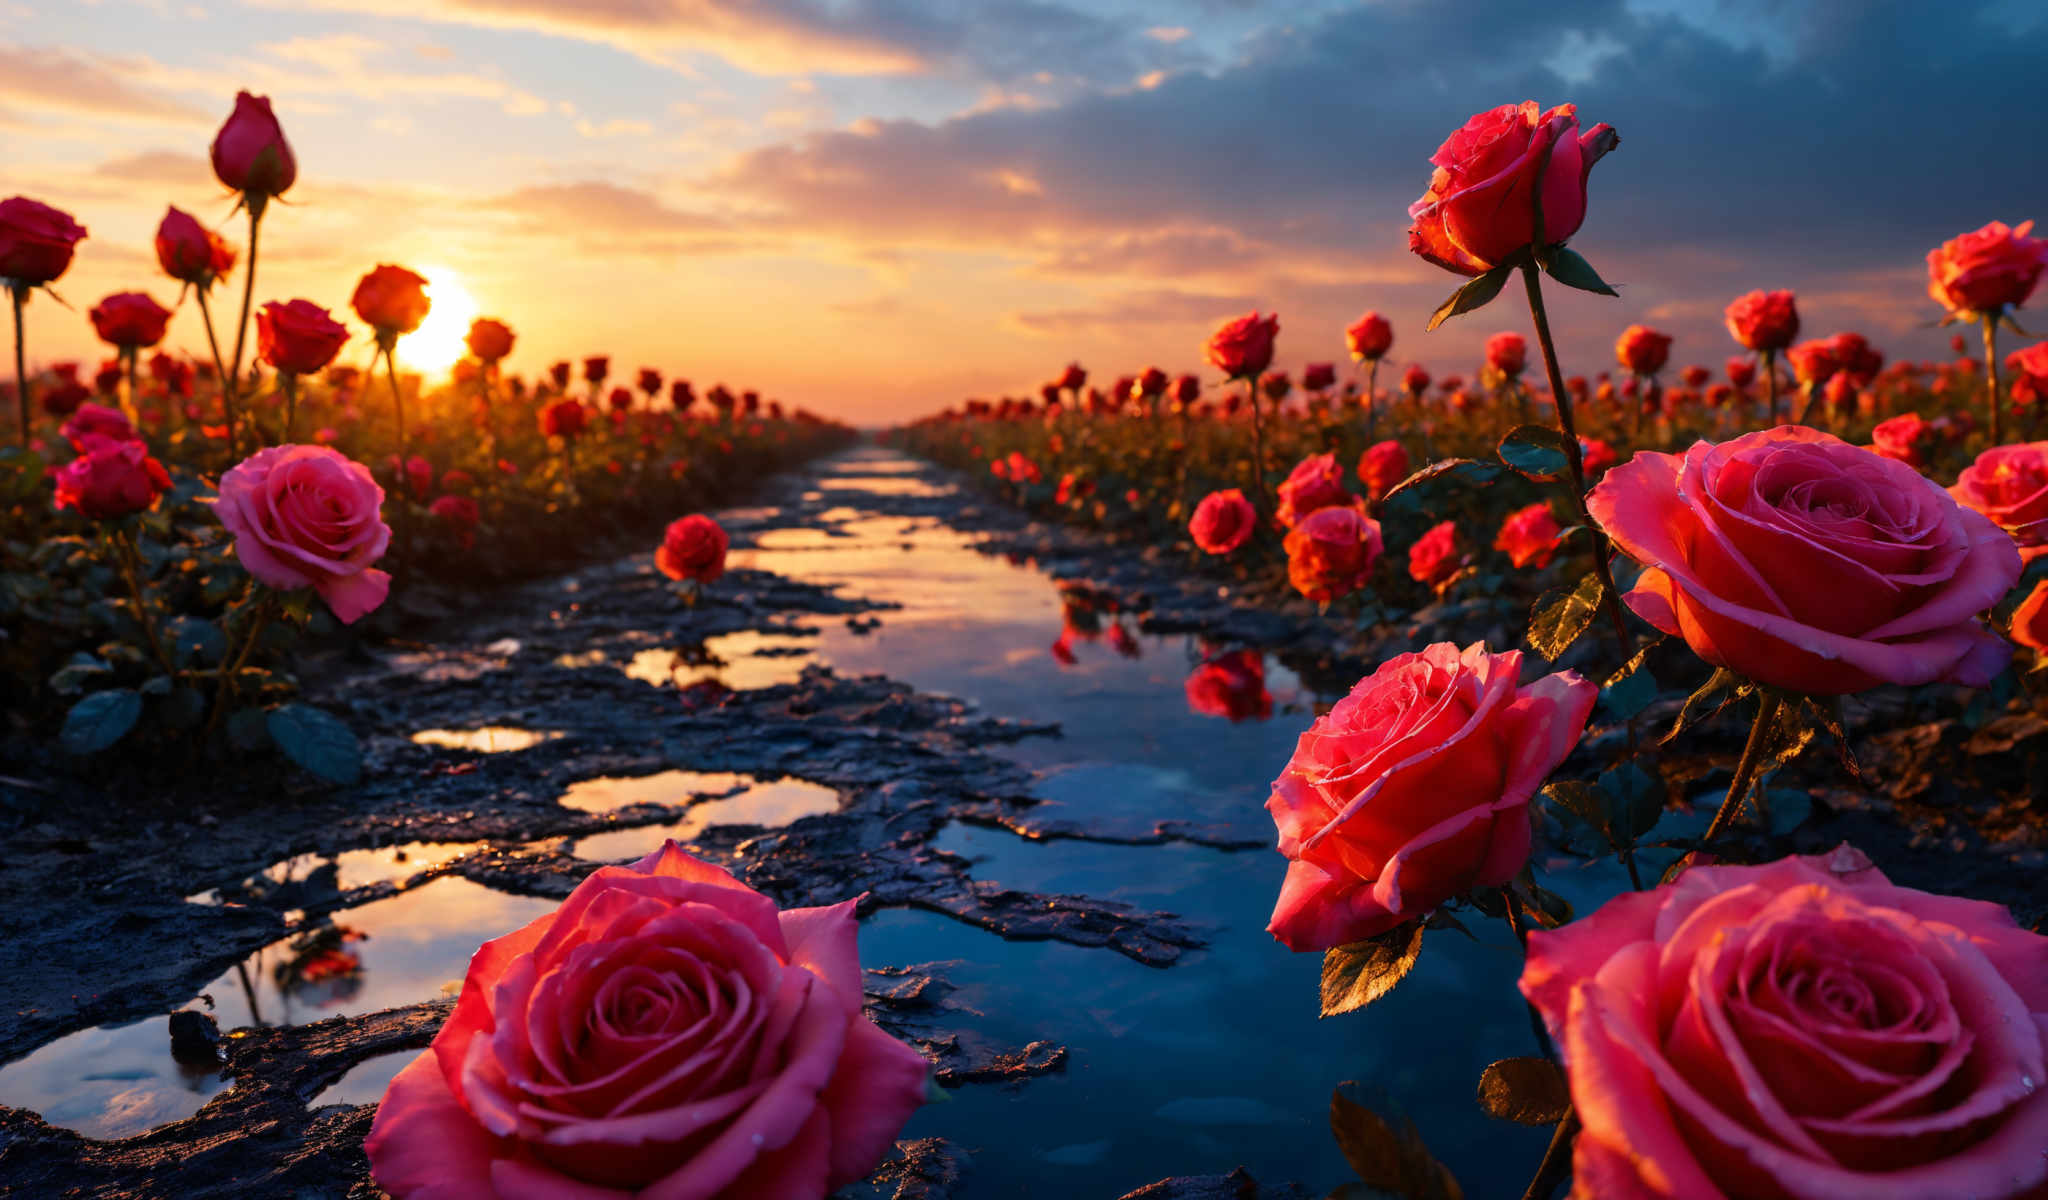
(439, 341)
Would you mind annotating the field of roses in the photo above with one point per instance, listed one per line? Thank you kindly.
(1803, 531)
(175, 529)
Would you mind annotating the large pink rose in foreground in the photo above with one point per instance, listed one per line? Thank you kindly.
(665, 1034)
(1415, 788)
(1808, 564)
(2009, 484)
(1804, 1029)
(307, 516)
(1479, 211)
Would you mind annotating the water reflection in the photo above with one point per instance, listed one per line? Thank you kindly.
(365, 1082)
(741, 661)
(111, 1082)
(607, 792)
(770, 805)
(1231, 685)
(489, 739)
(306, 878)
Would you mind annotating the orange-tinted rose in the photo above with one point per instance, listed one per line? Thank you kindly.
(1987, 271)
(1369, 338)
(564, 419)
(1242, 347)
(1763, 320)
(1479, 210)
(391, 300)
(1813, 363)
(489, 339)
(1642, 350)
(2030, 619)
(1331, 553)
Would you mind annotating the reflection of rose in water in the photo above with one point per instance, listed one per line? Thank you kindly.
(1231, 685)
(319, 968)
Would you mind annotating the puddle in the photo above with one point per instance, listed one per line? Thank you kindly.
(490, 739)
(608, 792)
(314, 875)
(366, 1081)
(112, 1082)
(770, 805)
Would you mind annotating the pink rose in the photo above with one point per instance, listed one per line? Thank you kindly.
(1331, 552)
(1987, 271)
(1243, 347)
(1223, 521)
(1434, 557)
(2009, 484)
(1529, 536)
(1808, 564)
(1383, 465)
(1369, 338)
(36, 241)
(1763, 321)
(306, 516)
(1478, 211)
(1232, 686)
(1316, 482)
(97, 421)
(1415, 788)
(110, 479)
(692, 548)
(1804, 1029)
(665, 1033)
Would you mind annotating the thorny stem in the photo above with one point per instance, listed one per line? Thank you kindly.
(1990, 322)
(1770, 364)
(220, 368)
(226, 690)
(131, 570)
(1251, 388)
(1746, 768)
(19, 293)
(233, 381)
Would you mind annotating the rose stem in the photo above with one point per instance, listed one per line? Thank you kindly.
(1569, 432)
(18, 292)
(225, 689)
(404, 480)
(220, 368)
(290, 383)
(1251, 388)
(1514, 911)
(1991, 377)
(1556, 1159)
(124, 544)
(233, 381)
(1770, 362)
(1745, 768)
(129, 355)
(1372, 380)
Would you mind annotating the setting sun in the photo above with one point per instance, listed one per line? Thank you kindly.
(438, 342)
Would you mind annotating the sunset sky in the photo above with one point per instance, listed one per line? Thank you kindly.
(878, 207)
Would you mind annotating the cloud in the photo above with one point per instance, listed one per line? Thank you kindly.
(43, 77)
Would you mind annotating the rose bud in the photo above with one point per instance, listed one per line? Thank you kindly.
(1804, 563)
(1151, 383)
(1232, 686)
(1694, 376)
(1434, 557)
(596, 368)
(693, 548)
(1186, 390)
(391, 300)
(1763, 321)
(559, 372)
(1316, 482)
(1316, 377)
(1479, 210)
(1507, 353)
(1369, 338)
(128, 320)
(1242, 348)
(1383, 465)
(1642, 350)
(1223, 521)
(36, 241)
(620, 399)
(489, 339)
(1331, 552)
(307, 516)
(190, 252)
(1988, 271)
(250, 154)
(1415, 788)
(1073, 379)
(1741, 371)
(1276, 386)
(2009, 485)
(564, 419)
(298, 337)
(1805, 1028)
(680, 397)
(110, 479)
(1415, 380)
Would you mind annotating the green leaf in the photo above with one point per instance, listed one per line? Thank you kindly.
(1387, 1156)
(1723, 688)
(1632, 689)
(1560, 617)
(100, 720)
(1635, 800)
(1569, 268)
(248, 729)
(317, 741)
(191, 641)
(1461, 470)
(72, 677)
(1476, 294)
(1535, 452)
(1527, 1091)
(1785, 809)
(1360, 973)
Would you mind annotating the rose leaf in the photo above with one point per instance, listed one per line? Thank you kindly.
(100, 720)
(1476, 294)
(317, 741)
(1527, 1091)
(1534, 452)
(1571, 269)
(1390, 1157)
(1559, 617)
(1360, 973)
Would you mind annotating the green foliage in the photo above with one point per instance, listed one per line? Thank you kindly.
(1474, 295)
(100, 720)
(1454, 470)
(1570, 268)
(317, 741)
(1629, 691)
(1535, 452)
(1360, 973)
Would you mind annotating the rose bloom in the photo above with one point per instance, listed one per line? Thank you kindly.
(1186, 390)
(1529, 535)
(391, 300)
(1316, 482)
(563, 419)
(1369, 338)
(1642, 350)
(1507, 353)
(2009, 484)
(2030, 619)
(111, 479)
(2030, 373)
(619, 399)
(1595, 456)
(189, 251)
(64, 399)
(649, 381)
(1805, 563)
(1741, 371)
(1415, 788)
(1232, 686)
(680, 395)
(1841, 392)
(1694, 376)
(596, 368)
(1331, 552)
(489, 339)
(250, 153)
(693, 548)
(1813, 363)
(1434, 557)
(299, 337)
(1901, 438)
(1316, 377)
(130, 320)
(1415, 380)
(559, 372)
(36, 241)
(1764, 321)
(1242, 347)
(1022, 469)
(460, 514)
(307, 516)
(1223, 521)
(1993, 269)
(97, 421)
(1073, 379)
(665, 1033)
(1479, 209)
(1858, 357)
(1802, 1029)
(1383, 465)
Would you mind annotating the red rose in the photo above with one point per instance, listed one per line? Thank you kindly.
(2009, 485)
(680, 397)
(1316, 482)
(1902, 437)
(559, 372)
(2030, 373)
(1276, 386)
(1232, 686)
(1242, 347)
(489, 340)
(391, 300)
(2030, 619)
(1694, 376)
(1186, 390)
(36, 241)
(1805, 563)
(596, 368)
(64, 399)
(298, 337)
(1858, 357)
(1383, 465)
(1803, 1029)
(250, 153)
(460, 514)
(1223, 521)
(1529, 536)
(1415, 788)
(190, 252)
(1434, 557)
(1764, 321)
(110, 479)
(1152, 382)
(1813, 363)
(1316, 377)
(1478, 211)
(693, 548)
(1741, 372)
(1073, 379)
(1369, 338)
(1642, 350)
(563, 419)
(1988, 271)
(129, 320)
(1507, 353)
(620, 399)
(1595, 456)
(97, 421)
(1331, 552)
(1415, 380)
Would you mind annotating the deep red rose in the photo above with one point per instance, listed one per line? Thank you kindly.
(299, 337)
(130, 320)
(1369, 338)
(190, 252)
(693, 548)
(250, 153)
(1316, 377)
(36, 241)
(564, 419)
(111, 479)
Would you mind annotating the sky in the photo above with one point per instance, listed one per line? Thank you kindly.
(876, 208)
